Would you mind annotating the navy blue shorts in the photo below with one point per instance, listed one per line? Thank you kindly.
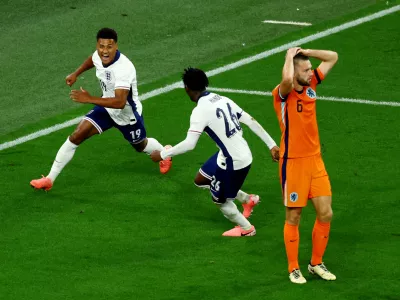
(134, 133)
(225, 184)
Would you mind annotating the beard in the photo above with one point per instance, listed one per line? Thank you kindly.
(302, 82)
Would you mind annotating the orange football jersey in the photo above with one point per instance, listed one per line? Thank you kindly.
(298, 121)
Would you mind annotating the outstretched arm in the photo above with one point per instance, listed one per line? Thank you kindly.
(261, 133)
(186, 145)
(87, 65)
(328, 58)
(197, 124)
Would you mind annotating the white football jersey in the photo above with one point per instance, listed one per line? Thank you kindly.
(219, 116)
(121, 74)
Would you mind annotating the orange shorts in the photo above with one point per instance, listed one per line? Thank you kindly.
(302, 179)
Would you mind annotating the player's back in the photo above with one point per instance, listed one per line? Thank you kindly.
(223, 126)
(298, 121)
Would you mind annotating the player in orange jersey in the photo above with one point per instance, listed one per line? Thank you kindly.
(302, 171)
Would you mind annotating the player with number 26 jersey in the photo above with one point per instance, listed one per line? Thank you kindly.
(225, 172)
(219, 116)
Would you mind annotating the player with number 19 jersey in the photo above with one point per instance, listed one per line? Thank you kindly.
(118, 107)
(121, 74)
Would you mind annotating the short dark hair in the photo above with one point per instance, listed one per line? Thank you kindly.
(195, 79)
(107, 33)
(300, 56)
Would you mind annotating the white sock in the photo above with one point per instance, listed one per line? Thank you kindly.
(231, 212)
(64, 155)
(242, 197)
(152, 144)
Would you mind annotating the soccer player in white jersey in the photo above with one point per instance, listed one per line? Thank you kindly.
(118, 107)
(225, 171)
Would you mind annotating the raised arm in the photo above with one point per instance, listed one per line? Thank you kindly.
(185, 146)
(87, 65)
(198, 122)
(286, 84)
(328, 58)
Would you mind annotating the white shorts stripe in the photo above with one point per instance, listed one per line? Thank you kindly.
(283, 104)
(94, 124)
(205, 174)
(285, 194)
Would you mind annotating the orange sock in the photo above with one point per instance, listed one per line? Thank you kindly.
(320, 237)
(291, 237)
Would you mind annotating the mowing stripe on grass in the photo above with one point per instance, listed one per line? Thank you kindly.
(335, 99)
(216, 71)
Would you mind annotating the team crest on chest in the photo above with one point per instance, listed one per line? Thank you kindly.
(311, 93)
(108, 75)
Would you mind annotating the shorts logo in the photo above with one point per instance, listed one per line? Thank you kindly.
(311, 93)
(294, 196)
(108, 75)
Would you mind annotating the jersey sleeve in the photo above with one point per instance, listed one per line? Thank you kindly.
(277, 94)
(317, 78)
(197, 121)
(124, 76)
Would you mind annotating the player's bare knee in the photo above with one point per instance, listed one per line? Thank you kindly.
(139, 147)
(76, 137)
(202, 186)
(293, 215)
(84, 131)
(201, 182)
(293, 220)
(197, 182)
(325, 215)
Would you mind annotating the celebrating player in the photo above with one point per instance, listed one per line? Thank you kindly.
(302, 170)
(225, 171)
(119, 107)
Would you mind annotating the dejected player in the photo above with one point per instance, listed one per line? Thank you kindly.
(302, 170)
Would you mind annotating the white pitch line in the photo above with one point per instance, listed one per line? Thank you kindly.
(287, 23)
(304, 40)
(235, 91)
(325, 98)
(216, 71)
(39, 133)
